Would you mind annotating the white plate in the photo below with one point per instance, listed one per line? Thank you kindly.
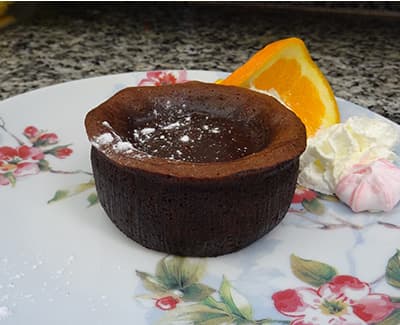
(66, 263)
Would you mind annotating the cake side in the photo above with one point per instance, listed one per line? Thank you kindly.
(190, 218)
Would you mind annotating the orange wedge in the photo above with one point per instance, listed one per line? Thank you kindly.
(285, 67)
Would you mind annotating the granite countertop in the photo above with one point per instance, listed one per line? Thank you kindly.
(359, 55)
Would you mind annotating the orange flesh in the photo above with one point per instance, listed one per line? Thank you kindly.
(287, 67)
(291, 87)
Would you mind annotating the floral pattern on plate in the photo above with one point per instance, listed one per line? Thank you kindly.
(25, 160)
(29, 159)
(322, 265)
(161, 78)
(177, 288)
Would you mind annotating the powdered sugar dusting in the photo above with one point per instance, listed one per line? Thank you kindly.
(103, 139)
(122, 146)
(176, 134)
(112, 141)
(4, 312)
(146, 131)
(184, 138)
(172, 126)
(174, 131)
(106, 124)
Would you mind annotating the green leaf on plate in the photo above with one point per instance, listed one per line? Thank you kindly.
(92, 199)
(314, 206)
(44, 165)
(196, 292)
(235, 302)
(63, 194)
(395, 299)
(211, 302)
(311, 272)
(393, 270)
(59, 195)
(180, 272)
(197, 314)
(268, 321)
(83, 187)
(393, 319)
(151, 283)
(11, 178)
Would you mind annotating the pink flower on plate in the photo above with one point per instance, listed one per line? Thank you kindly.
(26, 168)
(8, 171)
(47, 139)
(167, 303)
(303, 194)
(345, 300)
(4, 180)
(7, 153)
(23, 152)
(30, 159)
(18, 162)
(160, 78)
(31, 132)
(63, 152)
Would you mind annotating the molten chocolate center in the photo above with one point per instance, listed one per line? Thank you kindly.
(195, 136)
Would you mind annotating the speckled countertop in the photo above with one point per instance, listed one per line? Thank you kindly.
(360, 56)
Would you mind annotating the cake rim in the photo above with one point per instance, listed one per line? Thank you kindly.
(287, 144)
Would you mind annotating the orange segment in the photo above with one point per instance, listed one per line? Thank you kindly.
(286, 67)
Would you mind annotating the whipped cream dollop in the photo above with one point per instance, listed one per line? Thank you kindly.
(334, 150)
(370, 187)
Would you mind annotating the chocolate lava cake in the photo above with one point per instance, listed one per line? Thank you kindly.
(194, 169)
